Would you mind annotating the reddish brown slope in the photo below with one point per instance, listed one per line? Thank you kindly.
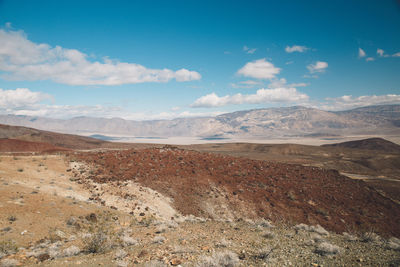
(251, 188)
(13, 145)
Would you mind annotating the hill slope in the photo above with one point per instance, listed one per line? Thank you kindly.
(370, 144)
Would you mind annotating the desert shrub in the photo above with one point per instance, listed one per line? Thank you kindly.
(162, 228)
(370, 237)
(268, 235)
(56, 235)
(223, 243)
(291, 195)
(394, 243)
(317, 238)
(326, 248)
(120, 254)
(101, 235)
(126, 241)
(318, 229)
(98, 241)
(302, 226)
(219, 259)
(158, 239)
(71, 251)
(8, 247)
(12, 218)
(349, 237)
(20, 169)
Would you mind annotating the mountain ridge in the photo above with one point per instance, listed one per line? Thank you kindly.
(296, 121)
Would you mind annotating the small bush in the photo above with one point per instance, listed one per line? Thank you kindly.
(8, 247)
(394, 243)
(12, 218)
(71, 251)
(268, 235)
(371, 237)
(20, 170)
(326, 248)
(97, 242)
(158, 239)
(126, 241)
(349, 237)
(218, 259)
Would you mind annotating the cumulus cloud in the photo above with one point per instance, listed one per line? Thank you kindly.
(22, 59)
(380, 52)
(349, 102)
(20, 97)
(361, 53)
(259, 69)
(296, 48)
(262, 96)
(249, 50)
(319, 66)
(369, 59)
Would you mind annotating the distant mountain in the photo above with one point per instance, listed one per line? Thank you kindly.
(376, 144)
(258, 124)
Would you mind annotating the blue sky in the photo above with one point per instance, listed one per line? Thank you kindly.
(166, 59)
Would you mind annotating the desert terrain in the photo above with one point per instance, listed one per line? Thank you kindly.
(239, 204)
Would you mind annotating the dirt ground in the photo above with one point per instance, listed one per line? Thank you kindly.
(40, 194)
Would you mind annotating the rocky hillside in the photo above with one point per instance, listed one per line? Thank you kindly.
(260, 123)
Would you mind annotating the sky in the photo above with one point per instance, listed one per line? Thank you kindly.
(143, 60)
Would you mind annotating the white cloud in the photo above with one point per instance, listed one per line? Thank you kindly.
(319, 66)
(361, 53)
(396, 54)
(262, 96)
(21, 59)
(246, 84)
(369, 59)
(249, 50)
(20, 97)
(259, 69)
(380, 52)
(349, 102)
(296, 48)
(23, 101)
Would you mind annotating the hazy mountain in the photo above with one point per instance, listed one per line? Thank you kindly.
(258, 123)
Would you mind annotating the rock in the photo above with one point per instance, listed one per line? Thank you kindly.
(175, 262)
(71, 251)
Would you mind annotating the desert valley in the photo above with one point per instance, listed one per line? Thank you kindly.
(74, 200)
(211, 133)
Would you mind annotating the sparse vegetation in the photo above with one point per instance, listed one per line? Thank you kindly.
(219, 259)
(325, 248)
(8, 247)
(20, 169)
(12, 218)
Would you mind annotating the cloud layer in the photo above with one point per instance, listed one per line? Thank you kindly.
(21, 59)
(259, 69)
(262, 96)
(349, 102)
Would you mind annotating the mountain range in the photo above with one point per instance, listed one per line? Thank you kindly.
(281, 122)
